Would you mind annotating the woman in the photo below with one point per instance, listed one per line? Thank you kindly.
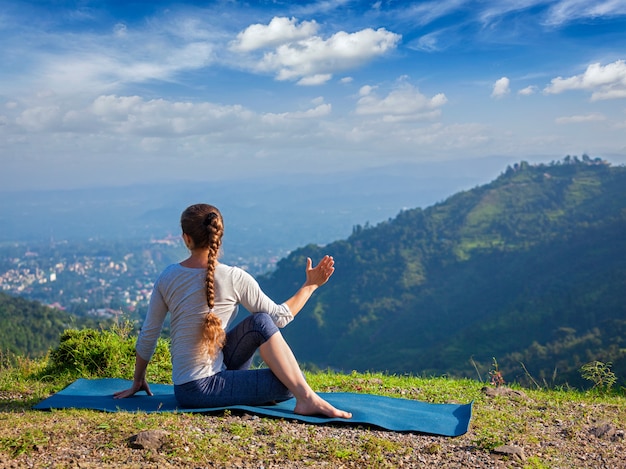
(209, 366)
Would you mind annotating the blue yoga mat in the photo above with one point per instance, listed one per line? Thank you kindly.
(389, 413)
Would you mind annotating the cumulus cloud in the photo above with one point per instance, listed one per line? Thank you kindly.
(527, 91)
(403, 103)
(160, 118)
(297, 53)
(40, 118)
(320, 110)
(133, 116)
(595, 117)
(604, 82)
(278, 31)
(312, 80)
(501, 88)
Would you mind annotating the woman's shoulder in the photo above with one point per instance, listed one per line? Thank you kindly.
(229, 269)
(172, 268)
(175, 270)
(232, 271)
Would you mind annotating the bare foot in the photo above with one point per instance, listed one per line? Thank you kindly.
(316, 406)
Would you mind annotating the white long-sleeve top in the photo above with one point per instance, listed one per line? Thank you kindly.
(182, 291)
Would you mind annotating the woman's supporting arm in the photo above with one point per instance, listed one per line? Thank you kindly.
(139, 380)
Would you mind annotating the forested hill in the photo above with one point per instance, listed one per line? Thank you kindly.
(31, 329)
(529, 269)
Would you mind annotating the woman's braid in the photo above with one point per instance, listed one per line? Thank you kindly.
(214, 334)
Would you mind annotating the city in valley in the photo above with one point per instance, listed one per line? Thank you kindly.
(95, 277)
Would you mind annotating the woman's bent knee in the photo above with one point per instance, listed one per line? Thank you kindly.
(264, 324)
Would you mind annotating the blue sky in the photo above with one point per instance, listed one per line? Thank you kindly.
(96, 93)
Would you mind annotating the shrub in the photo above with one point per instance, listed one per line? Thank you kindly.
(88, 353)
(600, 374)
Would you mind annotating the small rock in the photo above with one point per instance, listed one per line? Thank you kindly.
(604, 430)
(149, 439)
(511, 451)
(503, 391)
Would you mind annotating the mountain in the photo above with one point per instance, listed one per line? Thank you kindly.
(529, 270)
(31, 329)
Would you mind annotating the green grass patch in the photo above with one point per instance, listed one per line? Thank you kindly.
(531, 418)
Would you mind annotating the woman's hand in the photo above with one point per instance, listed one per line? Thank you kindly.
(315, 277)
(136, 387)
(319, 274)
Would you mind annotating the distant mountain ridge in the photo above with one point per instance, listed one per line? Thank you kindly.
(529, 269)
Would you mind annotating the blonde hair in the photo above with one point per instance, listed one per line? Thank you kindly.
(204, 225)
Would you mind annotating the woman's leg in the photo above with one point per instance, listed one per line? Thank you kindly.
(280, 359)
(243, 340)
(254, 387)
(232, 387)
(237, 384)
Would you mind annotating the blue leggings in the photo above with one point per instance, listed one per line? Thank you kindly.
(238, 385)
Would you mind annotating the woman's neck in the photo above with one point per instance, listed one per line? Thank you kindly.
(198, 259)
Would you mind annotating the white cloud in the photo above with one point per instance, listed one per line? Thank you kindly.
(401, 104)
(319, 7)
(426, 43)
(316, 56)
(366, 89)
(558, 12)
(312, 80)
(605, 82)
(134, 116)
(595, 117)
(102, 64)
(501, 88)
(158, 117)
(528, 90)
(278, 31)
(120, 30)
(319, 111)
(493, 12)
(565, 11)
(39, 118)
(423, 13)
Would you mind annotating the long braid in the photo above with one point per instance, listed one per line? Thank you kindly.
(203, 223)
(214, 334)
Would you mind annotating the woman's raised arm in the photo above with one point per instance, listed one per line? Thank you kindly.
(315, 278)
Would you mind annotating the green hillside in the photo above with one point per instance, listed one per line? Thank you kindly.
(31, 329)
(529, 269)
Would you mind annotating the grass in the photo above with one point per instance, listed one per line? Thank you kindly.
(533, 419)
